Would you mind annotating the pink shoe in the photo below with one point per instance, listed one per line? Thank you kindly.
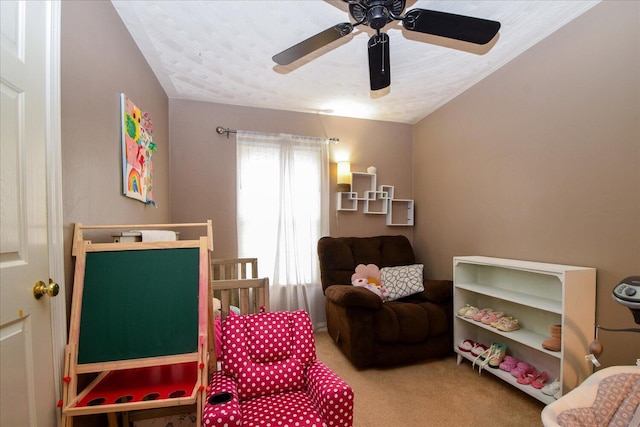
(522, 369)
(528, 378)
(491, 317)
(509, 363)
(540, 381)
(480, 314)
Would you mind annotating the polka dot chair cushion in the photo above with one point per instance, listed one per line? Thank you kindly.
(285, 409)
(269, 337)
(270, 369)
(261, 379)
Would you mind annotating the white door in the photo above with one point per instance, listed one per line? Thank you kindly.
(27, 391)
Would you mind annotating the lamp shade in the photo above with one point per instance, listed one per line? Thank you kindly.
(344, 174)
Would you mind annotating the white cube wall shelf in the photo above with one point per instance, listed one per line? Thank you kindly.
(400, 212)
(375, 200)
(347, 202)
(362, 182)
(387, 189)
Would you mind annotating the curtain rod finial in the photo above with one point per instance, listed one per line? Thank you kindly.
(220, 130)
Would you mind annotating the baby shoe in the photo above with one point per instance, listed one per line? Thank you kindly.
(478, 349)
(552, 389)
(466, 345)
(481, 313)
(471, 312)
(507, 324)
(463, 311)
(491, 317)
(509, 363)
(554, 342)
(521, 369)
(528, 377)
(539, 381)
(486, 356)
(498, 321)
(498, 356)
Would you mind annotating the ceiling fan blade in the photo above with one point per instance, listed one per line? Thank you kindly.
(459, 27)
(379, 66)
(313, 43)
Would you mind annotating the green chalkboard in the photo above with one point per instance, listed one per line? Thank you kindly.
(139, 303)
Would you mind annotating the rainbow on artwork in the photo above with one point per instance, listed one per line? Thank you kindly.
(134, 185)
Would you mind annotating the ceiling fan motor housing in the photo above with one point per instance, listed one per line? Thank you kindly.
(377, 17)
(376, 13)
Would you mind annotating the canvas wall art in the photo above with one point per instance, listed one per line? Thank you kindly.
(137, 152)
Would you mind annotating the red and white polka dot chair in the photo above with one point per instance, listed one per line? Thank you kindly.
(270, 376)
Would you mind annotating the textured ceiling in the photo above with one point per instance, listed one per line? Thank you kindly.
(220, 51)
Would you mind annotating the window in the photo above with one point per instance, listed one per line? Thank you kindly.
(282, 211)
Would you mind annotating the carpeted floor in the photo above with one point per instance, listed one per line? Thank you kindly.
(433, 393)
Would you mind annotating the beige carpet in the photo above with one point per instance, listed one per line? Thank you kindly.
(433, 393)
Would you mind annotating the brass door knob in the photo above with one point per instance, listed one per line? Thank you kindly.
(40, 289)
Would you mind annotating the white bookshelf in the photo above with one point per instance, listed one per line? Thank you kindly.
(538, 295)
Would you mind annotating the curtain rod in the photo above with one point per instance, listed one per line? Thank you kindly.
(220, 130)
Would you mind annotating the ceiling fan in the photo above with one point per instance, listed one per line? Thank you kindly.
(378, 13)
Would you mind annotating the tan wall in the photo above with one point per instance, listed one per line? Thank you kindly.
(99, 60)
(203, 180)
(541, 161)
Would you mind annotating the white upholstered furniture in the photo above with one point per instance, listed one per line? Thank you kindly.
(582, 396)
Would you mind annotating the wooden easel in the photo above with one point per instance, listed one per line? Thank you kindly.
(139, 324)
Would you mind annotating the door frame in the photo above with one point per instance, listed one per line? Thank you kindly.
(55, 235)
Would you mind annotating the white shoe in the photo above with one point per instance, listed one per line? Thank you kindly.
(486, 355)
(552, 389)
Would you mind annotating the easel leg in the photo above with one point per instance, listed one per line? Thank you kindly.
(113, 419)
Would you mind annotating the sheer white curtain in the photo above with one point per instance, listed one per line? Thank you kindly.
(282, 211)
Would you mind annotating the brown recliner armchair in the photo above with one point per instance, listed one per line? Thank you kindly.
(371, 332)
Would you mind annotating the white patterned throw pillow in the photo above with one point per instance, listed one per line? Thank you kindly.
(402, 281)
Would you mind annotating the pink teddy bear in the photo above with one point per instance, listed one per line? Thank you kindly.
(369, 272)
(368, 276)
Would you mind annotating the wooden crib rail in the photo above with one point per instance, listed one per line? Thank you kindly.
(253, 294)
(235, 282)
(234, 268)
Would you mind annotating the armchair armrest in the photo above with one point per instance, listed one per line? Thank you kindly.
(331, 396)
(222, 407)
(353, 296)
